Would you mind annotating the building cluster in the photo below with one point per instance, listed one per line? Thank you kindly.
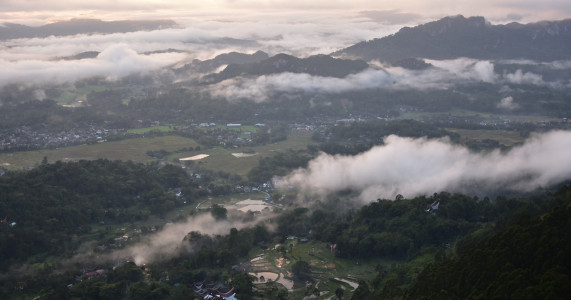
(213, 292)
(26, 138)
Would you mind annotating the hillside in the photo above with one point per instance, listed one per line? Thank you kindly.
(321, 65)
(529, 260)
(474, 37)
(80, 26)
(211, 65)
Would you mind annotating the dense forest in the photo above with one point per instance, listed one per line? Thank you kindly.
(527, 260)
(466, 236)
(55, 201)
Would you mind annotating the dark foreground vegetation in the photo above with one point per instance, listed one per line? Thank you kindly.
(527, 260)
(507, 247)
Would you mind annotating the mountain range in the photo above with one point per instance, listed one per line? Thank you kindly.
(473, 37)
(80, 26)
(447, 38)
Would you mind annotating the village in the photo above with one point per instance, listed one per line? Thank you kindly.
(25, 138)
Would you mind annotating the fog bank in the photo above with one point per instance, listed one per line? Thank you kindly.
(413, 167)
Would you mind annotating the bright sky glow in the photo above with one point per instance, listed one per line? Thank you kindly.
(36, 11)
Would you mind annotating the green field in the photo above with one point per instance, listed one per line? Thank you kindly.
(489, 117)
(241, 128)
(130, 149)
(506, 137)
(152, 128)
(72, 95)
(220, 159)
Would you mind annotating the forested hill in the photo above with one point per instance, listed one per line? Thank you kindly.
(320, 65)
(50, 210)
(529, 260)
(54, 201)
(474, 37)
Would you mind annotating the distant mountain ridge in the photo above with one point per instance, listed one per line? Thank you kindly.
(320, 65)
(80, 26)
(474, 37)
(210, 65)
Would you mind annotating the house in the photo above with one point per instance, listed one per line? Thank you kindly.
(210, 291)
(433, 207)
(91, 274)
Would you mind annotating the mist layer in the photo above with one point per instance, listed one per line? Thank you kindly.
(413, 167)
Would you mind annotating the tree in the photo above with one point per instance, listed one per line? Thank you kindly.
(301, 270)
(129, 271)
(282, 250)
(272, 288)
(283, 294)
(339, 293)
(243, 285)
(362, 291)
(218, 212)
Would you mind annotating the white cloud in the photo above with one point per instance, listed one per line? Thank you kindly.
(165, 243)
(508, 103)
(519, 77)
(468, 69)
(413, 167)
(113, 62)
(259, 89)
(445, 74)
(299, 28)
(202, 38)
(169, 241)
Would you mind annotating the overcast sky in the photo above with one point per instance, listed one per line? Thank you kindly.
(386, 11)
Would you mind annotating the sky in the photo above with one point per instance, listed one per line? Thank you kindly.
(381, 10)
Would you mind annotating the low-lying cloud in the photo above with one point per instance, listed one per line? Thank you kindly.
(201, 37)
(113, 62)
(445, 74)
(508, 103)
(166, 243)
(413, 167)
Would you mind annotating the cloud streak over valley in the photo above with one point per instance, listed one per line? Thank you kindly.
(165, 243)
(113, 62)
(413, 167)
(444, 74)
